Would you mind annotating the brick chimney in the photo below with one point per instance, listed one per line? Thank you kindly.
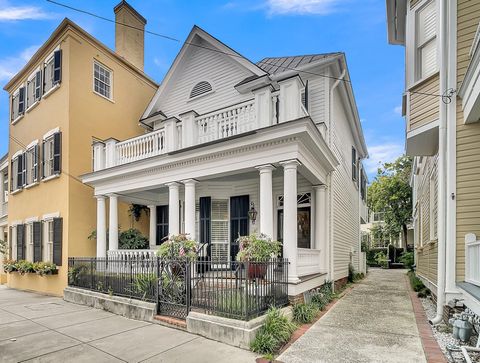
(129, 38)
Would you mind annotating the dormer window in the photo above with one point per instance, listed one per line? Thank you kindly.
(201, 88)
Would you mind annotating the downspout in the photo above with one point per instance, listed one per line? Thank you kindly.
(442, 175)
(330, 177)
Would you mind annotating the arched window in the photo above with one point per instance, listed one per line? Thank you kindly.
(200, 88)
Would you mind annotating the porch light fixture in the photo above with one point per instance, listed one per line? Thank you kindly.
(252, 213)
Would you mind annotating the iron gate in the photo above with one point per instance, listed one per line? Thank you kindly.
(174, 288)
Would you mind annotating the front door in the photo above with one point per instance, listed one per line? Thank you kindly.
(162, 223)
(238, 222)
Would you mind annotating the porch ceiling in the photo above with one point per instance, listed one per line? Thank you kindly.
(230, 159)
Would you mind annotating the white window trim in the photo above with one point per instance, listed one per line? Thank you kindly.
(29, 79)
(51, 133)
(111, 80)
(411, 44)
(203, 94)
(51, 90)
(50, 216)
(31, 219)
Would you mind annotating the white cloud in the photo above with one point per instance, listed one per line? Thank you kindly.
(9, 66)
(13, 13)
(301, 7)
(398, 110)
(382, 153)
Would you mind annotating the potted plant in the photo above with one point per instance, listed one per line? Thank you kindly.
(179, 249)
(24, 267)
(9, 265)
(44, 268)
(257, 249)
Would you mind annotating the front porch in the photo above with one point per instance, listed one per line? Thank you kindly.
(280, 173)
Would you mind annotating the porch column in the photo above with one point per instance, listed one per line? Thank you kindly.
(152, 236)
(173, 208)
(266, 199)
(101, 227)
(113, 223)
(190, 207)
(320, 229)
(290, 217)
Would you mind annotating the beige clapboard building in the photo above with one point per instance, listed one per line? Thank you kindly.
(72, 91)
(441, 105)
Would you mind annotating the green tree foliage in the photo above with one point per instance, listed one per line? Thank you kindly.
(391, 193)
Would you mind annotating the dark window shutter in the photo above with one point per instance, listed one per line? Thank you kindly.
(162, 223)
(57, 151)
(57, 66)
(21, 100)
(57, 241)
(239, 225)
(12, 116)
(205, 221)
(43, 159)
(20, 242)
(37, 241)
(19, 171)
(38, 85)
(305, 96)
(35, 164)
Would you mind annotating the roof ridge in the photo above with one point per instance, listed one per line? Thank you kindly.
(301, 55)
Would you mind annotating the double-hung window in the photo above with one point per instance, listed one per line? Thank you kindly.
(18, 171)
(48, 256)
(31, 165)
(52, 70)
(102, 80)
(354, 165)
(51, 153)
(34, 88)
(426, 40)
(18, 103)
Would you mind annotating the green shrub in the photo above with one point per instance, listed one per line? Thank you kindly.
(381, 259)
(44, 268)
(415, 282)
(407, 259)
(323, 295)
(351, 272)
(304, 313)
(233, 302)
(275, 332)
(75, 272)
(143, 285)
(132, 239)
(24, 267)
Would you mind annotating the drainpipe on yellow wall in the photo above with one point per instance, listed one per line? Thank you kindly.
(442, 165)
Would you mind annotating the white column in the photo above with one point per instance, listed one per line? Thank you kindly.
(110, 152)
(190, 207)
(152, 236)
(263, 106)
(321, 215)
(266, 199)
(173, 208)
(113, 223)
(290, 217)
(101, 227)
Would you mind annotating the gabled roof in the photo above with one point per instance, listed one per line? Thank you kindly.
(275, 65)
(215, 45)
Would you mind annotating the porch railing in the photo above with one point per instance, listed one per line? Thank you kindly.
(129, 254)
(140, 147)
(238, 290)
(308, 261)
(472, 259)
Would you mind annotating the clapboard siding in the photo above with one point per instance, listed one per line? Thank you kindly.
(413, 3)
(424, 108)
(317, 98)
(203, 65)
(468, 140)
(427, 262)
(346, 216)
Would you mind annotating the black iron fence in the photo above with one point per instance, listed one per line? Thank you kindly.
(239, 290)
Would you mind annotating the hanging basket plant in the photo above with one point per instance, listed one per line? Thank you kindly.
(135, 211)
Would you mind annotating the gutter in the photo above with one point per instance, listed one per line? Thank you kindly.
(442, 165)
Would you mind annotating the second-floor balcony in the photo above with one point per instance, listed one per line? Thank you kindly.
(190, 129)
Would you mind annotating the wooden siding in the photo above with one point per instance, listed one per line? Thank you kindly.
(203, 65)
(424, 108)
(346, 212)
(427, 261)
(468, 140)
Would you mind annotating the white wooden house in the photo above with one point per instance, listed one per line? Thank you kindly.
(224, 136)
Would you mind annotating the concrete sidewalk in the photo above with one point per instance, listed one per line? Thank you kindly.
(375, 322)
(39, 328)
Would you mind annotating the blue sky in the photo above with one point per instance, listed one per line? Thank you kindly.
(256, 29)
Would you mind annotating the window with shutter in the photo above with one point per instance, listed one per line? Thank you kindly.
(20, 229)
(21, 100)
(162, 223)
(31, 165)
(51, 155)
(205, 215)
(57, 66)
(37, 241)
(426, 40)
(200, 88)
(48, 74)
(354, 164)
(57, 151)
(57, 241)
(38, 85)
(19, 171)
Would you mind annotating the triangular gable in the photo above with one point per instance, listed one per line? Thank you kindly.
(209, 42)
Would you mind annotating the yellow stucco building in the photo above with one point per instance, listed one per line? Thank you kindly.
(72, 91)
